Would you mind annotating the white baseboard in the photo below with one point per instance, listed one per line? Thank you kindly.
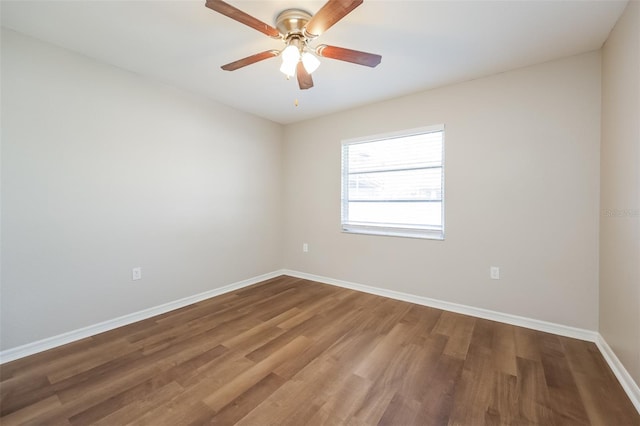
(623, 376)
(549, 327)
(628, 384)
(71, 336)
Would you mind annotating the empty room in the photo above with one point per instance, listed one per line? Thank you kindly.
(312, 212)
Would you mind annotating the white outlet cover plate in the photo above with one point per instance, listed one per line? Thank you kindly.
(495, 273)
(136, 273)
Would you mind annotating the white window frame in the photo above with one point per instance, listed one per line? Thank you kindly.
(412, 231)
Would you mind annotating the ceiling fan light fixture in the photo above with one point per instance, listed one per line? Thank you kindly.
(291, 54)
(290, 58)
(288, 68)
(310, 62)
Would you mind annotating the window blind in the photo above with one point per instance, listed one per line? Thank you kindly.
(394, 184)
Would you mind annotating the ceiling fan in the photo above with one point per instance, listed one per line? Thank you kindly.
(297, 28)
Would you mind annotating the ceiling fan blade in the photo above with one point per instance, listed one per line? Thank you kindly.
(353, 56)
(304, 78)
(242, 17)
(250, 60)
(329, 14)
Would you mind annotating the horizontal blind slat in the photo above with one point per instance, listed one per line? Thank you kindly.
(394, 183)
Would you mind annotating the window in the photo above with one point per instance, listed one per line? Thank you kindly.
(394, 184)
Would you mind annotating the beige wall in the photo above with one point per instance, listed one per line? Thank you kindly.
(620, 191)
(522, 185)
(103, 170)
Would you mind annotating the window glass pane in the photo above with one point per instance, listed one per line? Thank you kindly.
(425, 213)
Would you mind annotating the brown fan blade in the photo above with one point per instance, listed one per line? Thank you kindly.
(242, 17)
(250, 60)
(353, 56)
(329, 14)
(304, 78)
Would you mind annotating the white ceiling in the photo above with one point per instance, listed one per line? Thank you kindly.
(424, 44)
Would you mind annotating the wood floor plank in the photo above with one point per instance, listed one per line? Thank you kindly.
(474, 390)
(130, 411)
(459, 328)
(247, 401)
(423, 320)
(296, 397)
(603, 397)
(374, 365)
(63, 354)
(313, 327)
(19, 392)
(342, 402)
(563, 392)
(533, 394)
(197, 413)
(504, 349)
(421, 365)
(256, 337)
(31, 411)
(290, 351)
(214, 373)
(245, 380)
(503, 405)
(527, 344)
(141, 392)
(400, 411)
(373, 407)
(318, 305)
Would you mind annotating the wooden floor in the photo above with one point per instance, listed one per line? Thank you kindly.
(294, 352)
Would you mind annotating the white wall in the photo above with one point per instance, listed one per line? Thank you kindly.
(620, 191)
(103, 170)
(522, 185)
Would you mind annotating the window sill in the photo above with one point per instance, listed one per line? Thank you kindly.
(425, 234)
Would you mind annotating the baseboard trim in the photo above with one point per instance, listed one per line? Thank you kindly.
(549, 327)
(626, 381)
(82, 333)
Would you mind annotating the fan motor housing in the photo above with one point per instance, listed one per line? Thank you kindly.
(292, 21)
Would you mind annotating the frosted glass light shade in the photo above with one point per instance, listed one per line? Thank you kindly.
(310, 62)
(288, 69)
(290, 57)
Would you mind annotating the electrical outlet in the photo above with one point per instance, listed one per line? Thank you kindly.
(495, 273)
(136, 273)
(305, 247)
